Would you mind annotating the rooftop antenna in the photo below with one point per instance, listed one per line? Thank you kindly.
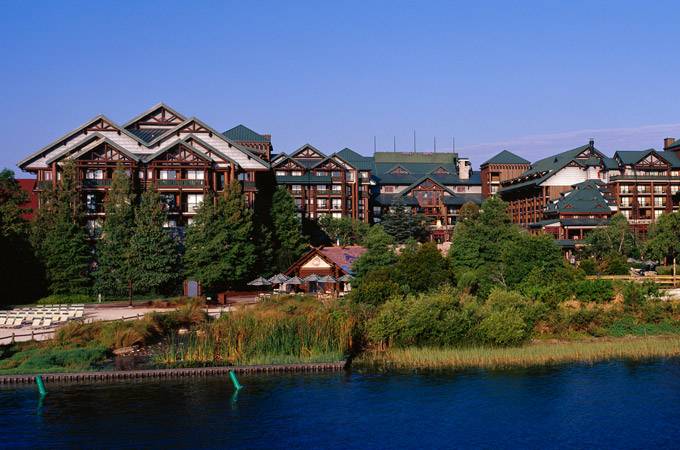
(394, 144)
(414, 141)
(453, 143)
(374, 143)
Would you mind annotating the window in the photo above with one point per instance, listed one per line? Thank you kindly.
(494, 189)
(170, 223)
(298, 202)
(626, 214)
(642, 201)
(625, 189)
(337, 203)
(388, 188)
(625, 202)
(47, 176)
(94, 174)
(320, 203)
(660, 201)
(674, 189)
(460, 189)
(337, 187)
(296, 188)
(168, 175)
(335, 173)
(194, 174)
(337, 215)
(658, 212)
(244, 176)
(193, 202)
(281, 173)
(297, 173)
(658, 189)
(94, 227)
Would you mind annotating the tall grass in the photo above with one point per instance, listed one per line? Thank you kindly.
(529, 355)
(293, 331)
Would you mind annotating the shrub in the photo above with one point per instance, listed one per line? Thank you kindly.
(616, 265)
(504, 328)
(468, 281)
(598, 291)
(53, 359)
(62, 299)
(588, 266)
(376, 287)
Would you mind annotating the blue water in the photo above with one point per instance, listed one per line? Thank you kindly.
(609, 405)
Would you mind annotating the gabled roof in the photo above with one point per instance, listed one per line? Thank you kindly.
(243, 133)
(544, 168)
(101, 139)
(307, 146)
(66, 136)
(587, 197)
(356, 160)
(505, 157)
(282, 158)
(151, 110)
(421, 181)
(635, 156)
(341, 257)
(173, 144)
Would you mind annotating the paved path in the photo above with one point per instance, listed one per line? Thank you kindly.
(92, 313)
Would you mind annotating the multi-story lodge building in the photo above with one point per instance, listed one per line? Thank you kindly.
(433, 184)
(338, 185)
(183, 158)
(643, 184)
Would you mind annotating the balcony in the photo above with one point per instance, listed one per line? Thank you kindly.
(181, 183)
(96, 182)
(42, 185)
(249, 186)
(328, 192)
(96, 208)
(643, 177)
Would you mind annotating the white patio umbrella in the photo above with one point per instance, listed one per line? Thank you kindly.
(313, 278)
(327, 279)
(345, 278)
(259, 281)
(294, 280)
(279, 279)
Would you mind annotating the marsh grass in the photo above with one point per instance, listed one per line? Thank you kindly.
(290, 331)
(535, 354)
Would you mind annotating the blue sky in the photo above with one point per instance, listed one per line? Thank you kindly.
(532, 77)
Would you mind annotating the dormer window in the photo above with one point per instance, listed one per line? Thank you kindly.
(441, 171)
(399, 171)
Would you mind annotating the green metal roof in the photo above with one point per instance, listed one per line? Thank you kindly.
(243, 133)
(587, 197)
(407, 157)
(634, 156)
(359, 162)
(506, 157)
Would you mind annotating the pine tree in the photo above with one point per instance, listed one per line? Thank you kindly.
(114, 269)
(220, 248)
(289, 243)
(402, 225)
(154, 252)
(20, 272)
(63, 245)
(379, 254)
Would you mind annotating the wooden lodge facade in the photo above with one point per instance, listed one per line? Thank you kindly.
(337, 185)
(334, 261)
(435, 185)
(182, 158)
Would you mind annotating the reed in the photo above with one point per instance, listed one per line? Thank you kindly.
(535, 354)
(292, 331)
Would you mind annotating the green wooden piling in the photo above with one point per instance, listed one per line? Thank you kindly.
(41, 386)
(234, 380)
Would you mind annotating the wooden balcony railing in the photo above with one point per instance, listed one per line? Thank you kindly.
(180, 183)
(96, 182)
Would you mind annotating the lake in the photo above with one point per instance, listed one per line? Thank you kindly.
(608, 405)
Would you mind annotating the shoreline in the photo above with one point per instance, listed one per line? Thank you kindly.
(536, 354)
(114, 375)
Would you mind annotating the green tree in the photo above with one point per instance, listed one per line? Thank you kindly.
(20, 272)
(420, 268)
(478, 238)
(663, 240)
(63, 243)
(220, 250)
(154, 253)
(525, 254)
(614, 239)
(344, 230)
(379, 253)
(403, 225)
(114, 257)
(289, 243)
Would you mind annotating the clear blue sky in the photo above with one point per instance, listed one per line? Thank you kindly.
(535, 77)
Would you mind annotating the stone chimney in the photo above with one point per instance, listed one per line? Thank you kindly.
(667, 142)
(464, 168)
